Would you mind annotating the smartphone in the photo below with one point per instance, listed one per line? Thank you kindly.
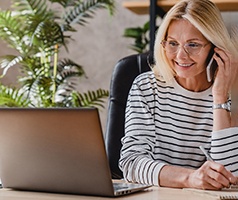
(211, 67)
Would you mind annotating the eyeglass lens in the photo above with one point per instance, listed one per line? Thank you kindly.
(190, 48)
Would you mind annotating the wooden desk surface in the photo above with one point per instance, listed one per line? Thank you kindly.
(142, 6)
(153, 193)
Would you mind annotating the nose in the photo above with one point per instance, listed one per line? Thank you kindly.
(182, 53)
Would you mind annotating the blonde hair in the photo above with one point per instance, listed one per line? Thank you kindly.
(206, 17)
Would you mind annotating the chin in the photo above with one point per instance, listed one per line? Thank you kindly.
(182, 75)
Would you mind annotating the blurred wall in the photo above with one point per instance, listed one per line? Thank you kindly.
(99, 45)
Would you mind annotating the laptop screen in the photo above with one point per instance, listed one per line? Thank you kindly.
(55, 150)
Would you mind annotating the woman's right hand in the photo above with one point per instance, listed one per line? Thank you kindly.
(211, 176)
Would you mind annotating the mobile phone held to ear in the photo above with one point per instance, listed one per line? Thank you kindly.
(211, 69)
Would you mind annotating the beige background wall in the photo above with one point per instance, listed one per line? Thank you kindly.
(99, 45)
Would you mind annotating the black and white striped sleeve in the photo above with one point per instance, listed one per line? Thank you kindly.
(224, 148)
(136, 160)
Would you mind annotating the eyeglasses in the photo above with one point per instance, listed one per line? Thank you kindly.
(191, 48)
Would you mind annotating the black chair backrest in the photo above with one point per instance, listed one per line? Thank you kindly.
(122, 78)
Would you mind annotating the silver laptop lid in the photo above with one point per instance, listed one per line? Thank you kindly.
(54, 150)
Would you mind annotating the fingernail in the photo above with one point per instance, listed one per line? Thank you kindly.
(233, 180)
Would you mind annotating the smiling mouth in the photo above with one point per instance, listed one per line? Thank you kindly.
(184, 64)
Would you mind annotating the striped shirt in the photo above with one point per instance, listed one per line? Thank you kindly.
(165, 125)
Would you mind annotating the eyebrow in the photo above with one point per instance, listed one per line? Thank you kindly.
(192, 39)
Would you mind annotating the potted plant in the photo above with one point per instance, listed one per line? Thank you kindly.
(140, 36)
(37, 32)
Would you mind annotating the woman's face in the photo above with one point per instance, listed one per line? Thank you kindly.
(190, 58)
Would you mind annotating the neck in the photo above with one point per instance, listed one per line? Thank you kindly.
(193, 85)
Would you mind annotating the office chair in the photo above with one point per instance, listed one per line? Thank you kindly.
(123, 75)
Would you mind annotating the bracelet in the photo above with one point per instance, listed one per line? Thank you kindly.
(226, 106)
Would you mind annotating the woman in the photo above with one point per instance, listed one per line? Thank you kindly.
(175, 109)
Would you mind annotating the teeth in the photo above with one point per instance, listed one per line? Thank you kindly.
(184, 65)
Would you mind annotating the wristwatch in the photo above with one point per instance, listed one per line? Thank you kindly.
(226, 106)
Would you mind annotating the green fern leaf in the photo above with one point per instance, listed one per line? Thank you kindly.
(85, 9)
(38, 7)
(11, 97)
(9, 61)
(89, 99)
(11, 30)
(47, 34)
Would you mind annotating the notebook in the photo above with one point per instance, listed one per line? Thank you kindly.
(56, 150)
(224, 194)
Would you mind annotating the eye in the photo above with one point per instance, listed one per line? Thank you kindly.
(193, 45)
(173, 44)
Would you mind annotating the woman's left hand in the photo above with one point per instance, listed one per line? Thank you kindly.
(226, 75)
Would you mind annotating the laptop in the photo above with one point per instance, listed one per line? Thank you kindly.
(58, 150)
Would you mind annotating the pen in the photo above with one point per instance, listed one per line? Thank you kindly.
(206, 153)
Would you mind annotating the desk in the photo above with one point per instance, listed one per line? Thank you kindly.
(160, 7)
(153, 193)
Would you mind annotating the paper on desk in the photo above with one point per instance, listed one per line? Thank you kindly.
(225, 194)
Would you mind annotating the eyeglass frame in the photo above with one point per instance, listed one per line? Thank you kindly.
(163, 43)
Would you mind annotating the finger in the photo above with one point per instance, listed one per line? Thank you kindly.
(224, 55)
(220, 62)
(213, 185)
(208, 186)
(223, 60)
(232, 179)
(227, 174)
(216, 178)
(222, 175)
(207, 176)
(223, 73)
